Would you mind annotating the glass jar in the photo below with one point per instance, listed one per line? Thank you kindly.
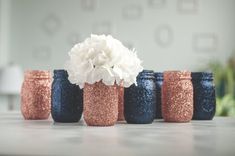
(159, 81)
(66, 99)
(36, 95)
(177, 96)
(100, 104)
(120, 102)
(204, 96)
(140, 100)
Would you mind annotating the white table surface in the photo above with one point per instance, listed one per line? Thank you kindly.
(21, 137)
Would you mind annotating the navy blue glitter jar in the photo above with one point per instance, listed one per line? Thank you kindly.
(203, 96)
(140, 100)
(159, 81)
(66, 99)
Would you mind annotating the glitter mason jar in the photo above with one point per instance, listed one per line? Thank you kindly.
(66, 99)
(140, 100)
(204, 96)
(120, 103)
(100, 104)
(159, 81)
(177, 96)
(36, 95)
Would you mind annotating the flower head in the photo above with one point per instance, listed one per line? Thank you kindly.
(103, 58)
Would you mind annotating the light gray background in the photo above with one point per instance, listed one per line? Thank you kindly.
(168, 34)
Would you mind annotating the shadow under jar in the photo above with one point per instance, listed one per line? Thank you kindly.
(100, 104)
(66, 99)
(177, 96)
(36, 95)
(140, 100)
(159, 81)
(204, 96)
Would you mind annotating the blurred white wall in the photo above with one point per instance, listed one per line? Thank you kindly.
(5, 18)
(5, 26)
(168, 34)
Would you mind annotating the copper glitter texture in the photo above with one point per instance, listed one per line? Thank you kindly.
(100, 104)
(36, 95)
(121, 103)
(177, 96)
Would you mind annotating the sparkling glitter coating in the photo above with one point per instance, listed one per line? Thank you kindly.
(100, 104)
(66, 99)
(36, 95)
(159, 81)
(140, 100)
(204, 96)
(177, 96)
(121, 103)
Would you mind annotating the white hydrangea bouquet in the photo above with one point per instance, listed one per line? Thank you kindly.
(102, 58)
(101, 65)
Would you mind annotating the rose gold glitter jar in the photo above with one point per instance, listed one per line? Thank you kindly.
(177, 96)
(121, 103)
(36, 95)
(100, 104)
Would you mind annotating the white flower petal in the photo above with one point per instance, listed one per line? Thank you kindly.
(103, 58)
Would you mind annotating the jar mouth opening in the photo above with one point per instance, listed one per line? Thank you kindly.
(177, 75)
(34, 74)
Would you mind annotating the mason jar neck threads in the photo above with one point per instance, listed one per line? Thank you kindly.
(172, 76)
(202, 76)
(158, 75)
(177, 96)
(146, 74)
(37, 74)
(60, 74)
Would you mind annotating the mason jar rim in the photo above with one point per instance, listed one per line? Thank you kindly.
(177, 74)
(158, 75)
(37, 74)
(202, 75)
(149, 74)
(60, 73)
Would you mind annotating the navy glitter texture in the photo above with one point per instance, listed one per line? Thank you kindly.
(140, 100)
(159, 81)
(204, 96)
(66, 99)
